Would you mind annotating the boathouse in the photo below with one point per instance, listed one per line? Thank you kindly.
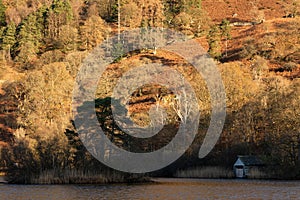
(246, 165)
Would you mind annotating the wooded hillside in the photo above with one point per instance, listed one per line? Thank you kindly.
(43, 43)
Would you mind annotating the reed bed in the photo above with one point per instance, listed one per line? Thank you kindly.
(205, 172)
(79, 177)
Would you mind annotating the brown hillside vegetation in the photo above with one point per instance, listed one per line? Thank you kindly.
(244, 10)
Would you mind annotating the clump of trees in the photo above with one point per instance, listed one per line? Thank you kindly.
(53, 27)
(187, 16)
(2, 14)
(215, 36)
(261, 120)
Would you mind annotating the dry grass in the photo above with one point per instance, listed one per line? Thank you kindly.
(81, 177)
(50, 177)
(205, 172)
(244, 9)
(256, 174)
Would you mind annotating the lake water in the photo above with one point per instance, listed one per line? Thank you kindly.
(164, 189)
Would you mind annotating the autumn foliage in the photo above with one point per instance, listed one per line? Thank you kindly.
(42, 46)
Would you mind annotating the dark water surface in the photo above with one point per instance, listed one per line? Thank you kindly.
(165, 189)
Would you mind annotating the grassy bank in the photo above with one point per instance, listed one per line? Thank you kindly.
(215, 172)
(77, 177)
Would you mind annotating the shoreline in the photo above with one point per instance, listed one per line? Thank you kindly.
(157, 180)
(79, 181)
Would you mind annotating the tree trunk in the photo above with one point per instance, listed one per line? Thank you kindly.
(119, 20)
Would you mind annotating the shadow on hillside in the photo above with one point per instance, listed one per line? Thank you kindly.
(110, 128)
(232, 55)
(8, 109)
(236, 19)
(164, 61)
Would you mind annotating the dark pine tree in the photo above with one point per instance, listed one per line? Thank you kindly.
(2, 14)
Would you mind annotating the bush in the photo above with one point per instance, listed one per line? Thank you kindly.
(290, 66)
(249, 49)
(259, 66)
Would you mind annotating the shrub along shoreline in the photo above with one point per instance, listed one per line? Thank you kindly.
(75, 177)
(109, 176)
